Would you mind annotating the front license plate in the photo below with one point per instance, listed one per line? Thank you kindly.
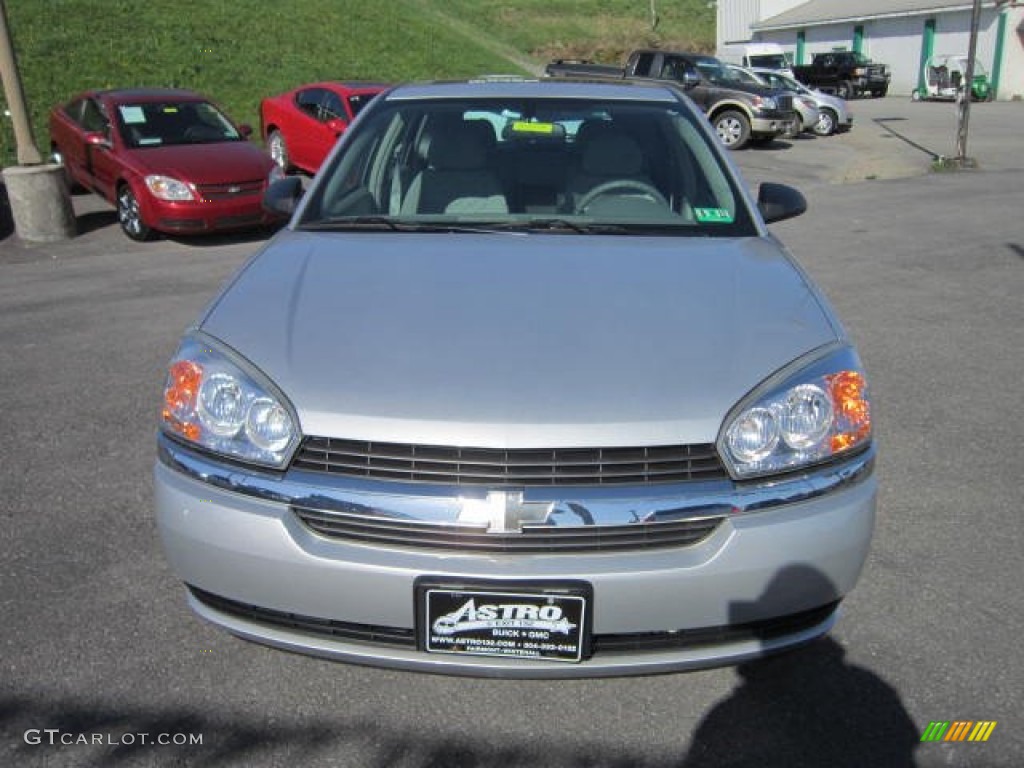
(549, 621)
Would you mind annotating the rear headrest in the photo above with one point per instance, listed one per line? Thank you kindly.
(462, 147)
(611, 153)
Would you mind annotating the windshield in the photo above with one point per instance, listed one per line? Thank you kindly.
(769, 61)
(572, 166)
(158, 123)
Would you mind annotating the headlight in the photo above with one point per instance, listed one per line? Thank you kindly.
(802, 416)
(222, 404)
(166, 188)
(765, 102)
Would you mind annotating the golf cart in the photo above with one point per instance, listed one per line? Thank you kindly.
(944, 79)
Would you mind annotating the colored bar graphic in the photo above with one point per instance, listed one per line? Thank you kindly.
(958, 730)
(982, 730)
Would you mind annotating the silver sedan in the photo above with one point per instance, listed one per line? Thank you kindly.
(834, 114)
(526, 388)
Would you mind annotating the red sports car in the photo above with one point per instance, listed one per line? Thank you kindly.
(301, 126)
(169, 160)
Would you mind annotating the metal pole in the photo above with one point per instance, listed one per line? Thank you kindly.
(28, 152)
(964, 96)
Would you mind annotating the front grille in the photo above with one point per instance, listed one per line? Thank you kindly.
(182, 225)
(497, 467)
(637, 642)
(785, 101)
(211, 192)
(243, 220)
(343, 630)
(530, 539)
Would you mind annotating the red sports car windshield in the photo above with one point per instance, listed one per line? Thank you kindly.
(159, 123)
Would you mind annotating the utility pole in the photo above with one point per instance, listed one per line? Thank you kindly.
(37, 193)
(28, 152)
(964, 96)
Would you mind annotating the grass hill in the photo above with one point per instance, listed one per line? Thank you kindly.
(238, 51)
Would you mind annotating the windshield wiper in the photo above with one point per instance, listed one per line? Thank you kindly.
(353, 222)
(556, 224)
(401, 225)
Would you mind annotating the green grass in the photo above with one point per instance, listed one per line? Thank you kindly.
(238, 51)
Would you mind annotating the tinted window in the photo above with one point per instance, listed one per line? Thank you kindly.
(152, 124)
(309, 101)
(93, 118)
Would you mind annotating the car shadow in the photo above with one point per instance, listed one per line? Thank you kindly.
(775, 145)
(804, 707)
(94, 220)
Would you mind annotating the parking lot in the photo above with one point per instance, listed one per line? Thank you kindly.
(927, 271)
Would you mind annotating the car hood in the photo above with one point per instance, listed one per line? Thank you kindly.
(215, 163)
(504, 340)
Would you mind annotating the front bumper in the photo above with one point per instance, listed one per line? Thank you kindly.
(772, 123)
(207, 216)
(767, 577)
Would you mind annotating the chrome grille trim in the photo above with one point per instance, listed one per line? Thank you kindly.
(528, 539)
(496, 467)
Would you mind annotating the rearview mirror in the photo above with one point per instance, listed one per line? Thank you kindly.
(777, 202)
(283, 195)
(690, 79)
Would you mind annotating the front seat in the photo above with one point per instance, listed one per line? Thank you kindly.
(607, 155)
(458, 177)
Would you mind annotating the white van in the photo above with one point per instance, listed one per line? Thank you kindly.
(765, 55)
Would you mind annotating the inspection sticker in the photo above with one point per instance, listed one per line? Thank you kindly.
(713, 215)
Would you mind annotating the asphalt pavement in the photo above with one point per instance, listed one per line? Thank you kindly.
(97, 646)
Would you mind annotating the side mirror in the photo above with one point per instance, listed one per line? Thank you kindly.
(245, 129)
(690, 79)
(283, 195)
(336, 125)
(778, 202)
(98, 139)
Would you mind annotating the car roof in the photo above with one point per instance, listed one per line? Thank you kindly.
(149, 94)
(505, 87)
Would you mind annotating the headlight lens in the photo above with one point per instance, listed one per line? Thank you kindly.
(814, 415)
(221, 404)
(166, 188)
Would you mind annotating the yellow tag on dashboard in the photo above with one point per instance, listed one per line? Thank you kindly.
(522, 126)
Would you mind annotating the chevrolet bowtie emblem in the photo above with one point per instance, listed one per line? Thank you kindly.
(504, 511)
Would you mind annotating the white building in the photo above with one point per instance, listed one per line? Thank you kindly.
(900, 33)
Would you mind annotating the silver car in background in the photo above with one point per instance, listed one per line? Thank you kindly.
(526, 388)
(834, 114)
(806, 108)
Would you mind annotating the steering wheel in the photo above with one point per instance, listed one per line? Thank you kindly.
(626, 185)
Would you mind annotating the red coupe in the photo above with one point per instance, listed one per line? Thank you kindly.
(301, 126)
(169, 160)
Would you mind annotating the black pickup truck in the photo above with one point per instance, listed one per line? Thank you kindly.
(740, 113)
(847, 74)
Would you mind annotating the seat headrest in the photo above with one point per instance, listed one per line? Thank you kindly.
(460, 147)
(612, 153)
